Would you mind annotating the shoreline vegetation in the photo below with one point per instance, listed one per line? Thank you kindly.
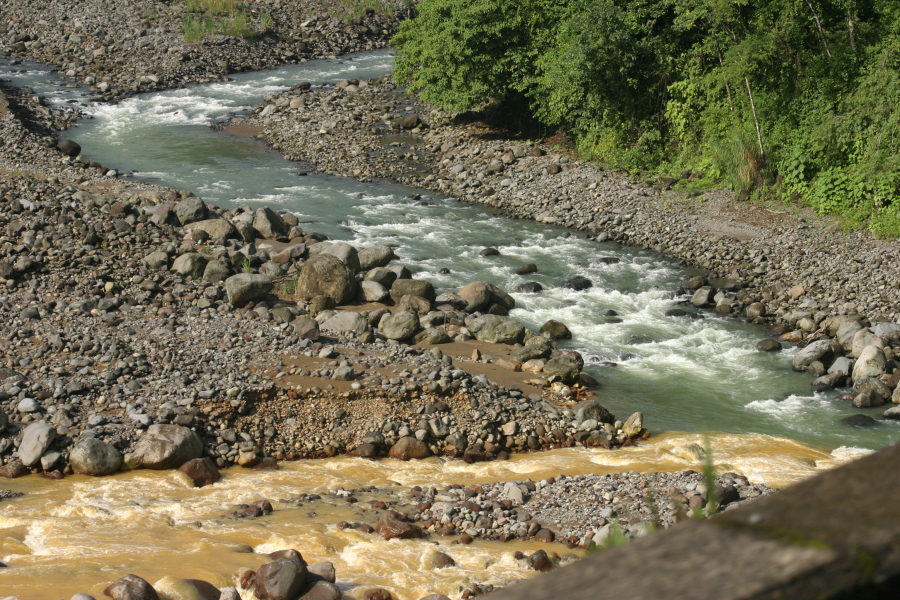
(780, 99)
(129, 346)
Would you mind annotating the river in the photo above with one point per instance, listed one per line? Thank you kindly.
(685, 375)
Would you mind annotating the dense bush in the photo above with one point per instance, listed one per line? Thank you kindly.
(795, 97)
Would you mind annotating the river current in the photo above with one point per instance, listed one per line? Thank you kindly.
(691, 376)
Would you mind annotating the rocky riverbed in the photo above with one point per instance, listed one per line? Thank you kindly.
(771, 263)
(125, 47)
(137, 312)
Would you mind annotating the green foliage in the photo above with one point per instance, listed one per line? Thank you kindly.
(353, 10)
(797, 96)
(228, 17)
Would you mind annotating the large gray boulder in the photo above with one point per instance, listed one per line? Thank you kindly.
(343, 251)
(824, 351)
(871, 363)
(165, 447)
(69, 148)
(703, 296)
(246, 287)
(372, 291)
(540, 348)
(216, 271)
(412, 287)
(191, 263)
(592, 410)
(497, 329)
(156, 259)
(326, 275)
(563, 367)
(385, 277)
(375, 256)
(861, 340)
(346, 321)
(190, 210)
(35, 441)
(283, 579)
(91, 456)
(400, 326)
(269, 223)
(217, 229)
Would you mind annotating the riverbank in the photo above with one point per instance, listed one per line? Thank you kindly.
(127, 47)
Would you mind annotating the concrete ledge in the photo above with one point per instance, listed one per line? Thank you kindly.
(834, 536)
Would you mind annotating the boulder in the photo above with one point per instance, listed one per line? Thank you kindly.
(874, 386)
(377, 594)
(157, 259)
(556, 330)
(216, 271)
(69, 148)
(634, 425)
(540, 561)
(385, 277)
(532, 287)
(190, 210)
(399, 326)
(131, 587)
(408, 448)
(91, 456)
(4, 420)
(269, 223)
(342, 251)
(537, 349)
(191, 263)
(497, 329)
(593, 410)
(768, 345)
(372, 291)
(824, 351)
(562, 367)
(412, 287)
(201, 471)
(346, 321)
(283, 579)
(861, 340)
(246, 287)
(871, 363)
(217, 229)
(703, 296)
(391, 525)
(321, 590)
(476, 296)
(416, 304)
(375, 256)
(323, 570)
(165, 447)
(577, 283)
(35, 441)
(430, 335)
(326, 275)
(306, 327)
